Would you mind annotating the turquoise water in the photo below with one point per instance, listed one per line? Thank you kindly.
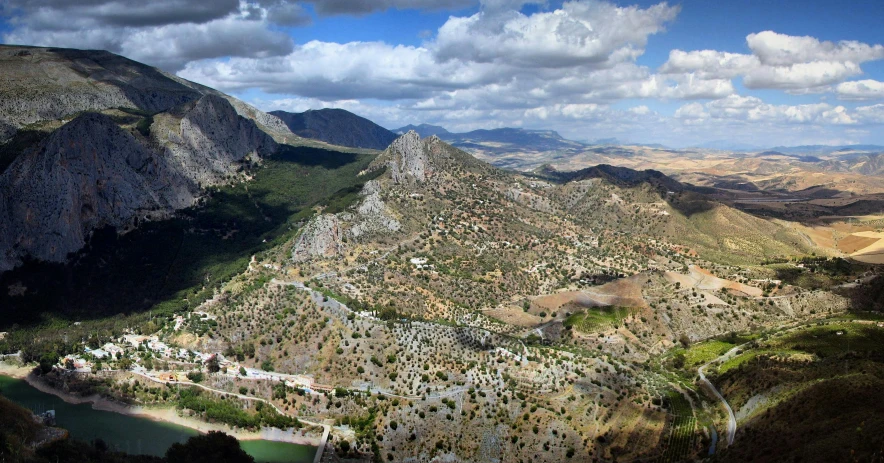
(134, 434)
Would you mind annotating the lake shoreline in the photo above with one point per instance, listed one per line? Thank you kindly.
(164, 414)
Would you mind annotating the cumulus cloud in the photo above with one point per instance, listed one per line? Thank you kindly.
(164, 33)
(784, 50)
(580, 33)
(861, 90)
(753, 110)
(871, 114)
(778, 61)
(709, 64)
(74, 14)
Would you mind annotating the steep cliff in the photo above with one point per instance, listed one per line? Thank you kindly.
(91, 173)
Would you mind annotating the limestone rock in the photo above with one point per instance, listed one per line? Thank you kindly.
(409, 160)
(88, 174)
(321, 237)
(209, 139)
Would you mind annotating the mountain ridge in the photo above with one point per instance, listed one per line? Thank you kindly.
(337, 127)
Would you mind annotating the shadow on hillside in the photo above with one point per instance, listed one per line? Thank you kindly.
(309, 156)
(868, 297)
(173, 264)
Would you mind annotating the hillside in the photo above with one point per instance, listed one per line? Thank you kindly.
(337, 127)
(130, 143)
(420, 301)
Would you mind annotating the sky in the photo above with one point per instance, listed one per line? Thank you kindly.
(689, 73)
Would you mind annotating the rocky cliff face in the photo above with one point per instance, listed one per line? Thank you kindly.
(412, 161)
(408, 159)
(88, 174)
(205, 139)
(321, 237)
(91, 173)
(85, 170)
(42, 84)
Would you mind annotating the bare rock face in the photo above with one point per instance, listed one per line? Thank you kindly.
(50, 84)
(91, 173)
(371, 214)
(40, 84)
(321, 237)
(87, 174)
(209, 138)
(409, 160)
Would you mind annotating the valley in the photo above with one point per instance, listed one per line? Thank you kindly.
(421, 303)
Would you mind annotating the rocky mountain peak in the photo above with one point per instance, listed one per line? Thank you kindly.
(409, 159)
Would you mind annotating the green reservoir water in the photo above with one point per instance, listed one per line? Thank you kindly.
(133, 434)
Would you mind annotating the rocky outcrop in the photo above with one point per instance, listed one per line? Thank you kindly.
(41, 84)
(90, 173)
(371, 215)
(206, 139)
(321, 237)
(45, 84)
(408, 159)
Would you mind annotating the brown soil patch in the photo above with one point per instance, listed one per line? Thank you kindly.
(853, 243)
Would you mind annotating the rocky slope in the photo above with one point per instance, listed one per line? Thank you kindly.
(90, 139)
(43, 84)
(91, 173)
(338, 127)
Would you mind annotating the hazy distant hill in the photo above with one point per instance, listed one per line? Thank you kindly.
(827, 149)
(499, 141)
(338, 127)
(424, 130)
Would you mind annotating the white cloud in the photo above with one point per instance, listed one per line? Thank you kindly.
(360, 7)
(871, 114)
(596, 34)
(750, 109)
(709, 64)
(801, 75)
(775, 49)
(166, 33)
(799, 65)
(691, 111)
(861, 90)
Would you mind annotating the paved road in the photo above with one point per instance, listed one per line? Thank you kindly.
(731, 419)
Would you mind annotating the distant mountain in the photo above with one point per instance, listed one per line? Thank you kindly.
(338, 127)
(499, 141)
(726, 145)
(424, 130)
(827, 149)
(790, 155)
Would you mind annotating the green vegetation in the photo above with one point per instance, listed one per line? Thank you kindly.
(178, 262)
(231, 412)
(598, 318)
(815, 383)
(681, 435)
(17, 429)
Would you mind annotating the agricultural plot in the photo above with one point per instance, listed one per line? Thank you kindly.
(599, 318)
(681, 434)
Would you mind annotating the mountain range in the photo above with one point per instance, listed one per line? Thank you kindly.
(419, 297)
